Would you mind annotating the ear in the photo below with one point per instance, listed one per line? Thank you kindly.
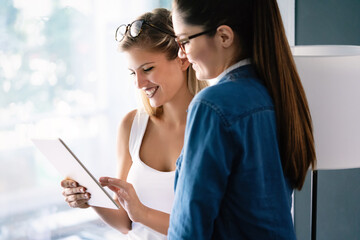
(184, 63)
(225, 35)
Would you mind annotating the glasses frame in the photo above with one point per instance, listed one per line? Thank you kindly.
(143, 22)
(184, 40)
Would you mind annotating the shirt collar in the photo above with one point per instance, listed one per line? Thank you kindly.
(241, 63)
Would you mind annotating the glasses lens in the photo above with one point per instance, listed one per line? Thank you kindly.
(181, 43)
(120, 32)
(182, 48)
(135, 28)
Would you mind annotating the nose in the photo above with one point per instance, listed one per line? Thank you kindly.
(140, 81)
(181, 53)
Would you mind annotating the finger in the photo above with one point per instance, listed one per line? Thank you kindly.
(118, 183)
(112, 188)
(104, 181)
(84, 205)
(107, 181)
(77, 197)
(71, 191)
(68, 183)
(119, 191)
(122, 194)
(79, 204)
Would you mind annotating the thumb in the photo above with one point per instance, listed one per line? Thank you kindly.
(113, 188)
(122, 194)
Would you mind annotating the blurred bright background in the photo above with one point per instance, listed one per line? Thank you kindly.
(61, 76)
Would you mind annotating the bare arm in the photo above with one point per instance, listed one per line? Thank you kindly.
(157, 220)
(76, 195)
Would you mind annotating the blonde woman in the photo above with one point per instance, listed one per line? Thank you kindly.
(149, 140)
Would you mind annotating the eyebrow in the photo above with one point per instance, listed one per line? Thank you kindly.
(142, 65)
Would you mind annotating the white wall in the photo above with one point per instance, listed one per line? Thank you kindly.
(287, 9)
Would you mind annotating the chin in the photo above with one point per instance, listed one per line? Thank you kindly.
(202, 76)
(155, 104)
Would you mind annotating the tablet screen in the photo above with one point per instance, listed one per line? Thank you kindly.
(69, 166)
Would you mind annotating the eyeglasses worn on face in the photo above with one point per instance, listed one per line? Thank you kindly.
(134, 29)
(181, 41)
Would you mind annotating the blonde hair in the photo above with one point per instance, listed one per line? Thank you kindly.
(151, 38)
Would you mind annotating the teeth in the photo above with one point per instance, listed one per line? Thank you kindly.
(150, 92)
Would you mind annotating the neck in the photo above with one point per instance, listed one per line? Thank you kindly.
(232, 55)
(174, 112)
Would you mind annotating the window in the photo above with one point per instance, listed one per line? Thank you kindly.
(60, 76)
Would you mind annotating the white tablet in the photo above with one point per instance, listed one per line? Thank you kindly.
(65, 161)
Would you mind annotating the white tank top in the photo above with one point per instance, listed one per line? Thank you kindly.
(154, 188)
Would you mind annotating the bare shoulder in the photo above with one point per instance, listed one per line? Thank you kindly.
(124, 126)
(123, 154)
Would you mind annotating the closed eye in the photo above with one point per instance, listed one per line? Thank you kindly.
(148, 69)
(185, 42)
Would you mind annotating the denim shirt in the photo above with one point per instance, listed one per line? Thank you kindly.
(229, 182)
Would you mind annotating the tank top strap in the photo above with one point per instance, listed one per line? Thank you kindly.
(137, 133)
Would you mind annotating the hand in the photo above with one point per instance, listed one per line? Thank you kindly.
(75, 195)
(127, 197)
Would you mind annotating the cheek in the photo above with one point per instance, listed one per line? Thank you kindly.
(204, 66)
(203, 56)
(169, 78)
(174, 80)
(198, 54)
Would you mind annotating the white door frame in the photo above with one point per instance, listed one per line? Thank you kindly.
(287, 10)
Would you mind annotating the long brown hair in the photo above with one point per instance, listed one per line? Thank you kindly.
(262, 37)
(157, 41)
(274, 63)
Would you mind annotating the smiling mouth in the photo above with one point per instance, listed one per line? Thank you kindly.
(150, 92)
